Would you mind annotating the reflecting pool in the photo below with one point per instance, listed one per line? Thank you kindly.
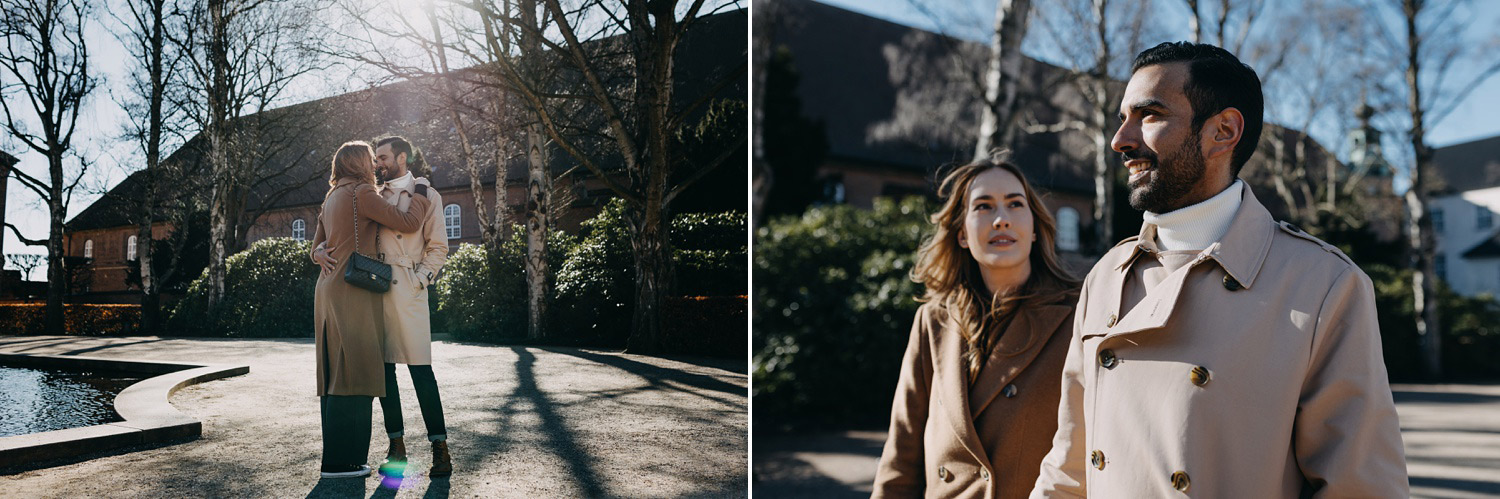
(36, 400)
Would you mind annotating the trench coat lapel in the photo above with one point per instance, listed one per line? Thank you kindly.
(1241, 253)
(1024, 338)
(950, 383)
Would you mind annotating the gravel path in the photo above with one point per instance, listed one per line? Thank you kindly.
(1451, 433)
(522, 422)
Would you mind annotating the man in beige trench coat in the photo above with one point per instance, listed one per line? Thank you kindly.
(1218, 353)
(415, 258)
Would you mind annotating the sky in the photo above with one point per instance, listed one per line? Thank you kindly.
(101, 120)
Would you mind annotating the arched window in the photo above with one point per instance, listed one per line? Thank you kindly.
(88, 248)
(130, 249)
(451, 219)
(299, 230)
(1067, 229)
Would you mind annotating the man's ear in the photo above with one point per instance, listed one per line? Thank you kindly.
(1224, 132)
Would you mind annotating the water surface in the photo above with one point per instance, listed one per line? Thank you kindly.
(35, 400)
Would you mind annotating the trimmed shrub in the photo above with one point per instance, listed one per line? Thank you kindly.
(595, 294)
(482, 296)
(834, 306)
(79, 320)
(268, 293)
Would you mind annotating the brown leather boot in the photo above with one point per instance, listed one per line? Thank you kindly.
(442, 464)
(395, 458)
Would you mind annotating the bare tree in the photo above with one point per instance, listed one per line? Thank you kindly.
(1002, 76)
(644, 122)
(1431, 45)
(155, 65)
(242, 55)
(1243, 12)
(1115, 31)
(44, 61)
(26, 262)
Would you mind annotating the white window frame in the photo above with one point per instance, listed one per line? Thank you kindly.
(453, 221)
(130, 248)
(299, 229)
(1067, 234)
(88, 248)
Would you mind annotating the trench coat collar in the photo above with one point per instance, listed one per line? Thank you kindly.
(1028, 332)
(1241, 251)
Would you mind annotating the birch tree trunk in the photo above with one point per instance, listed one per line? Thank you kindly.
(1002, 75)
(1418, 223)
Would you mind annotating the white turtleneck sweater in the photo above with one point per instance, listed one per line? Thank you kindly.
(401, 182)
(1197, 226)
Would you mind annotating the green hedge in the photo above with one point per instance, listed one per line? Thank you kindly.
(482, 296)
(268, 293)
(834, 306)
(80, 320)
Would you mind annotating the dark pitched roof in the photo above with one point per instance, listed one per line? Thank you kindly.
(1468, 166)
(1489, 248)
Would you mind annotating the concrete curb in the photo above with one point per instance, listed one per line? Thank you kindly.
(149, 417)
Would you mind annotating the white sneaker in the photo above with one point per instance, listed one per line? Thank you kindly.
(346, 472)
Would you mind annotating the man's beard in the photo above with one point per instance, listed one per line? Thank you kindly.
(1171, 178)
(380, 174)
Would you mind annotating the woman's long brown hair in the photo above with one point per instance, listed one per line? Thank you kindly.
(352, 161)
(952, 276)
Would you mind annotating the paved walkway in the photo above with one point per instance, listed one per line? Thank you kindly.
(1451, 432)
(522, 422)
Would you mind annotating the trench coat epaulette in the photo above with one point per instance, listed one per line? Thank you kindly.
(1294, 230)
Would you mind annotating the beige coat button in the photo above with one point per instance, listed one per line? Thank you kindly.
(1113, 319)
(1097, 459)
(942, 472)
(1199, 375)
(1107, 358)
(1180, 481)
(1009, 391)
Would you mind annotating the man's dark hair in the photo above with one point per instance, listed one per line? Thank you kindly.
(1217, 80)
(398, 144)
(414, 159)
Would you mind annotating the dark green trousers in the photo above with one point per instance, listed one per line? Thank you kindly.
(346, 429)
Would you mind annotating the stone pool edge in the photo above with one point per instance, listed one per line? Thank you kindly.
(148, 416)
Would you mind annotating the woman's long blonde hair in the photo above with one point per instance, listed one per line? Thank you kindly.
(953, 278)
(352, 160)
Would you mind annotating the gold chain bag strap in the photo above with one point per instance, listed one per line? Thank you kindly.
(363, 271)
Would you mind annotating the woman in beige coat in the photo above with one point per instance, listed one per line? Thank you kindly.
(349, 334)
(976, 403)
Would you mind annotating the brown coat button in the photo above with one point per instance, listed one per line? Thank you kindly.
(1180, 481)
(1199, 375)
(942, 473)
(1112, 320)
(1009, 391)
(984, 474)
(1107, 358)
(1231, 284)
(1097, 459)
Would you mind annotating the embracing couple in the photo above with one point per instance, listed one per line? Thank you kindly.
(389, 234)
(1218, 353)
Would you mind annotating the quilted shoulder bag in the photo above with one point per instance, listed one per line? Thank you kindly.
(363, 271)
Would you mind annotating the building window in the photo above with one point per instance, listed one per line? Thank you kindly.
(451, 219)
(88, 248)
(1484, 217)
(130, 249)
(299, 230)
(1437, 220)
(1440, 266)
(1067, 229)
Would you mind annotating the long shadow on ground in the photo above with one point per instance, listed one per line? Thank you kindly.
(655, 374)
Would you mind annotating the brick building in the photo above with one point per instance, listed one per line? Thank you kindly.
(286, 204)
